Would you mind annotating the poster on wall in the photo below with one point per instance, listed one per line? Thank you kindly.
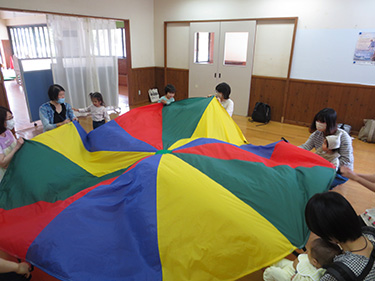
(365, 49)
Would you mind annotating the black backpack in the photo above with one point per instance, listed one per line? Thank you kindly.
(343, 273)
(261, 113)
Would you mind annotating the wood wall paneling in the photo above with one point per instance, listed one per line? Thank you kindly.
(123, 66)
(303, 102)
(269, 90)
(352, 102)
(159, 76)
(153, 77)
(175, 76)
(141, 80)
(123, 80)
(3, 94)
(7, 51)
(180, 79)
(122, 72)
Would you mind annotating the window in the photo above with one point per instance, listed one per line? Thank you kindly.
(33, 42)
(204, 46)
(120, 42)
(29, 42)
(235, 48)
(116, 36)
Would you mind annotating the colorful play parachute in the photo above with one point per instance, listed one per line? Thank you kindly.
(160, 193)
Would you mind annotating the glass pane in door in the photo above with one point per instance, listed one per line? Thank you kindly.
(235, 48)
(203, 47)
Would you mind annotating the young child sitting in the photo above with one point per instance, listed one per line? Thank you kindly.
(308, 266)
(98, 111)
(170, 91)
(223, 91)
(329, 149)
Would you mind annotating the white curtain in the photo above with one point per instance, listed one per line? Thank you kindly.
(84, 58)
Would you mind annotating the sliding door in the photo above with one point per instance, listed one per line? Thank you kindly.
(222, 52)
(203, 58)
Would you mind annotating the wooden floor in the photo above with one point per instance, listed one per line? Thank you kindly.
(364, 162)
(358, 196)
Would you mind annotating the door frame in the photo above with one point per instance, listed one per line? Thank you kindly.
(3, 94)
(258, 20)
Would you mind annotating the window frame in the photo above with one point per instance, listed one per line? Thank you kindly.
(39, 42)
(210, 47)
(123, 42)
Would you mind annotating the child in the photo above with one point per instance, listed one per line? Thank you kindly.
(170, 91)
(98, 111)
(222, 93)
(307, 266)
(329, 149)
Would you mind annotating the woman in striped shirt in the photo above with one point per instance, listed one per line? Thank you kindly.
(324, 124)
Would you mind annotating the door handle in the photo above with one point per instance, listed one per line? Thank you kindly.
(219, 75)
(215, 75)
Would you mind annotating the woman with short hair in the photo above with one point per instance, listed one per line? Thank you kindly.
(56, 112)
(330, 216)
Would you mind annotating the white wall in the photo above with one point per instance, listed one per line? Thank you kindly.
(322, 23)
(272, 48)
(325, 37)
(27, 20)
(178, 45)
(3, 30)
(140, 13)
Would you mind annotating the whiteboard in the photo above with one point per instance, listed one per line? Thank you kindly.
(334, 49)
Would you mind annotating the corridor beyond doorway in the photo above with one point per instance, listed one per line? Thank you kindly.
(18, 106)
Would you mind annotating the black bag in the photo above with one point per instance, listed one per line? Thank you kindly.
(261, 113)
